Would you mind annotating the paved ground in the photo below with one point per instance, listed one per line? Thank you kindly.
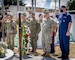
(54, 57)
(37, 58)
(33, 58)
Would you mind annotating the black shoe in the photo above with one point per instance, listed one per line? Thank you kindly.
(32, 50)
(62, 56)
(52, 52)
(65, 57)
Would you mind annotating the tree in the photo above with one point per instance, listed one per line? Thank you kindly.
(71, 5)
(12, 2)
(7, 2)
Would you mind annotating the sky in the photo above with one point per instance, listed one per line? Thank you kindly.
(49, 4)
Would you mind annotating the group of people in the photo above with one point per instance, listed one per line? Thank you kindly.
(49, 29)
(65, 22)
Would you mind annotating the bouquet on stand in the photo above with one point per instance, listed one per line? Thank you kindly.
(25, 39)
(26, 46)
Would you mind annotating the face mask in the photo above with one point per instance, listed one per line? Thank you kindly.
(61, 10)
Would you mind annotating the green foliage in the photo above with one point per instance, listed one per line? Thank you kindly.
(71, 5)
(23, 52)
(13, 2)
(24, 39)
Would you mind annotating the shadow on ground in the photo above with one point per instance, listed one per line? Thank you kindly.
(27, 57)
(46, 58)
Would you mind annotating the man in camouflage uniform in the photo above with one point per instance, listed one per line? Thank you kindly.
(35, 29)
(47, 32)
(10, 28)
(24, 19)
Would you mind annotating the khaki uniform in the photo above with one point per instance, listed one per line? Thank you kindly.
(46, 30)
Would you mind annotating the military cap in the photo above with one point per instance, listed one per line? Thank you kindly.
(24, 14)
(46, 11)
(63, 6)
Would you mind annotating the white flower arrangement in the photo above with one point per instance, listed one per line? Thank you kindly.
(2, 50)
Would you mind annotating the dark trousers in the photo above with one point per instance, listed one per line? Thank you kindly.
(52, 45)
(0, 35)
(64, 43)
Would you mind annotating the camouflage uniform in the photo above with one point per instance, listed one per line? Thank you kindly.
(46, 30)
(10, 31)
(26, 22)
(35, 29)
(46, 39)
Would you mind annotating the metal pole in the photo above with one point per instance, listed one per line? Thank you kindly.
(59, 3)
(32, 5)
(3, 13)
(20, 37)
(18, 6)
(55, 4)
(20, 32)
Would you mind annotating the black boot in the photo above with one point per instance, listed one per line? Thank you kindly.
(32, 50)
(66, 56)
(62, 56)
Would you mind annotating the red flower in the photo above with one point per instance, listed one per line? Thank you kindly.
(27, 35)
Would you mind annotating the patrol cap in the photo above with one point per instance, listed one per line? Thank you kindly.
(46, 11)
(63, 6)
(24, 14)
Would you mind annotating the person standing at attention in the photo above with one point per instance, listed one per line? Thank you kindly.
(65, 23)
(47, 33)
